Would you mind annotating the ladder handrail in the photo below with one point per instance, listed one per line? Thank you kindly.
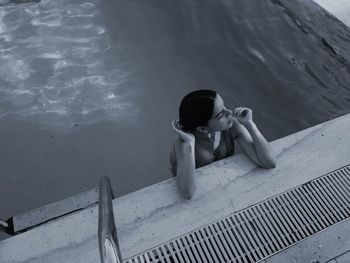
(107, 234)
(4, 223)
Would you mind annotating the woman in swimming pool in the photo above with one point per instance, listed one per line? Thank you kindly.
(206, 132)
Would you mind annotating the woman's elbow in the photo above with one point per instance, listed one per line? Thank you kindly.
(187, 192)
(270, 164)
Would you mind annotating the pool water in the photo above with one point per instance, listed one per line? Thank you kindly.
(89, 88)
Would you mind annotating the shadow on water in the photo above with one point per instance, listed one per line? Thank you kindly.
(88, 89)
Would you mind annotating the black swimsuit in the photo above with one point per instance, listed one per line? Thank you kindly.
(205, 156)
(225, 148)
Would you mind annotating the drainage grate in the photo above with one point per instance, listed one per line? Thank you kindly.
(261, 230)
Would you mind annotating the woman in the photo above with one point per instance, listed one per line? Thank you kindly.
(206, 132)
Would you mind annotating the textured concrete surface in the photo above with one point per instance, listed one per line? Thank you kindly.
(318, 248)
(344, 258)
(157, 213)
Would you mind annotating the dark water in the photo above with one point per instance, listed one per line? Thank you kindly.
(88, 89)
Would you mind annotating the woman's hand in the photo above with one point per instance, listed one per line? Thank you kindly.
(183, 136)
(243, 115)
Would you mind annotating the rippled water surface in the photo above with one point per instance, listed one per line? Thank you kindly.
(89, 88)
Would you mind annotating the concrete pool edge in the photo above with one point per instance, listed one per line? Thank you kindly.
(337, 8)
(156, 214)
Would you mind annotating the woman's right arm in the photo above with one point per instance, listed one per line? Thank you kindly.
(185, 162)
(185, 168)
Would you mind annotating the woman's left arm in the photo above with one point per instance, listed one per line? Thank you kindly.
(252, 141)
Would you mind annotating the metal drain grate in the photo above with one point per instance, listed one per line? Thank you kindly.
(257, 232)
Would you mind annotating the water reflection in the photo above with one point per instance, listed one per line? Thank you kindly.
(55, 60)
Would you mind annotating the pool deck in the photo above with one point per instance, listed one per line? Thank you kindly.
(156, 214)
(339, 8)
(330, 245)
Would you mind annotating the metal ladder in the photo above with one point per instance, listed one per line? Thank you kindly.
(107, 234)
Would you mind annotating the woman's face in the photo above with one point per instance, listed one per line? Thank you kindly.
(222, 118)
